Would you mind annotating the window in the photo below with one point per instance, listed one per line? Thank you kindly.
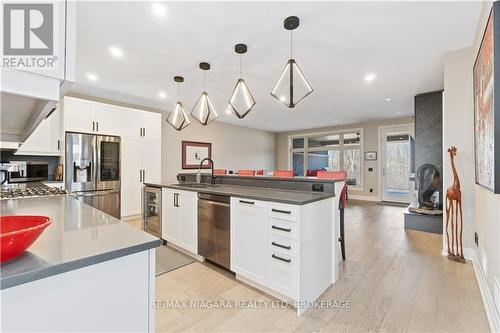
(330, 152)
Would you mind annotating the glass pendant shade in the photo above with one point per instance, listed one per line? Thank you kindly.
(242, 100)
(204, 111)
(292, 85)
(178, 118)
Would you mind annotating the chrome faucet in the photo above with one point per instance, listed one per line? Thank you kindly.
(198, 175)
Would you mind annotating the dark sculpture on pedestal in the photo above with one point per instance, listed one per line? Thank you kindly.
(428, 180)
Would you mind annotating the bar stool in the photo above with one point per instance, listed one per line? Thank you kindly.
(220, 172)
(246, 172)
(283, 173)
(342, 201)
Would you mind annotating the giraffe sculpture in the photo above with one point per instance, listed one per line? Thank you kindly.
(454, 196)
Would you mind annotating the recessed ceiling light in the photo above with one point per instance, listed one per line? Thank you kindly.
(228, 111)
(159, 10)
(388, 99)
(399, 112)
(115, 52)
(370, 77)
(91, 76)
(162, 94)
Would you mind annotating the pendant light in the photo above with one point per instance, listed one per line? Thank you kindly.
(178, 118)
(292, 85)
(241, 100)
(204, 111)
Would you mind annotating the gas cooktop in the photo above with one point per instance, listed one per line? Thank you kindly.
(30, 192)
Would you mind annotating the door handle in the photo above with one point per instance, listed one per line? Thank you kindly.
(247, 202)
(143, 175)
(282, 259)
(58, 144)
(144, 131)
(140, 175)
(281, 211)
(97, 126)
(93, 126)
(282, 246)
(280, 228)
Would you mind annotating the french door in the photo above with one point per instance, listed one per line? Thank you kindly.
(395, 162)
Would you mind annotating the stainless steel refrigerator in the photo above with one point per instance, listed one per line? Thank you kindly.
(93, 170)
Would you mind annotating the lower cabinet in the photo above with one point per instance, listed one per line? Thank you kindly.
(249, 241)
(264, 248)
(180, 218)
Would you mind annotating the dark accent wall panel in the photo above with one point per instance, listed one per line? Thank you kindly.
(429, 131)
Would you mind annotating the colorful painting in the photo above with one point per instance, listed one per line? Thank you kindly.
(484, 110)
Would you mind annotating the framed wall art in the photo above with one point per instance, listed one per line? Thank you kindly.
(194, 152)
(370, 155)
(486, 72)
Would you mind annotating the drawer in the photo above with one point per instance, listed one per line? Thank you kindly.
(283, 274)
(283, 228)
(283, 245)
(284, 211)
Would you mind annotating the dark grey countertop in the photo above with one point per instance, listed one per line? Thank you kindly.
(256, 193)
(273, 178)
(78, 236)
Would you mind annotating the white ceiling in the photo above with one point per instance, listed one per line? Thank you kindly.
(336, 44)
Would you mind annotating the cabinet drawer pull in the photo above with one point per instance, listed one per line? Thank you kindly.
(247, 202)
(93, 126)
(97, 126)
(144, 131)
(282, 246)
(282, 259)
(280, 228)
(281, 211)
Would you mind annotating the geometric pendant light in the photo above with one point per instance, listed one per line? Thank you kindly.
(241, 100)
(204, 111)
(178, 118)
(292, 85)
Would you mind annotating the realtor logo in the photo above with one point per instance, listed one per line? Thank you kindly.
(28, 29)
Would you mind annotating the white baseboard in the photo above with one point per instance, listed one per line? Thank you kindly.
(131, 217)
(489, 304)
(363, 197)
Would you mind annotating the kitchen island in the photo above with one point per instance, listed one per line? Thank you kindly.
(281, 241)
(86, 272)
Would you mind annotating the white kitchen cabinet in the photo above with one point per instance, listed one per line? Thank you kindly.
(170, 215)
(188, 221)
(107, 119)
(131, 185)
(283, 248)
(79, 116)
(151, 160)
(140, 163)
(140, 124)
(180, 219)
(45, 139)
(249, 239)
(91, 117)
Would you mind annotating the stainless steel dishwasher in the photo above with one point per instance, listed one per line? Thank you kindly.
(213, 228)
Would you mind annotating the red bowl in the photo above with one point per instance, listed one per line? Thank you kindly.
(17, 233)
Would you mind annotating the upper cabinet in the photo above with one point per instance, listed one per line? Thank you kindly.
(140, 124)
(45, 139)
(91, 117)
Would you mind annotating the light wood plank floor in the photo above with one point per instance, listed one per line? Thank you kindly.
(396, 281)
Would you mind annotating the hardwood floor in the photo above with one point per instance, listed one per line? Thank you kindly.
(395, 281)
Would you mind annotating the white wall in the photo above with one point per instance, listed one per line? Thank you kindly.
(487, 212)
(233, 147)
(481, 206)
(458, 130)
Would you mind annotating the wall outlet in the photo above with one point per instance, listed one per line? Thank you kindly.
(371, 190)
(370, 169)
(484, 262)
(476, 239)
